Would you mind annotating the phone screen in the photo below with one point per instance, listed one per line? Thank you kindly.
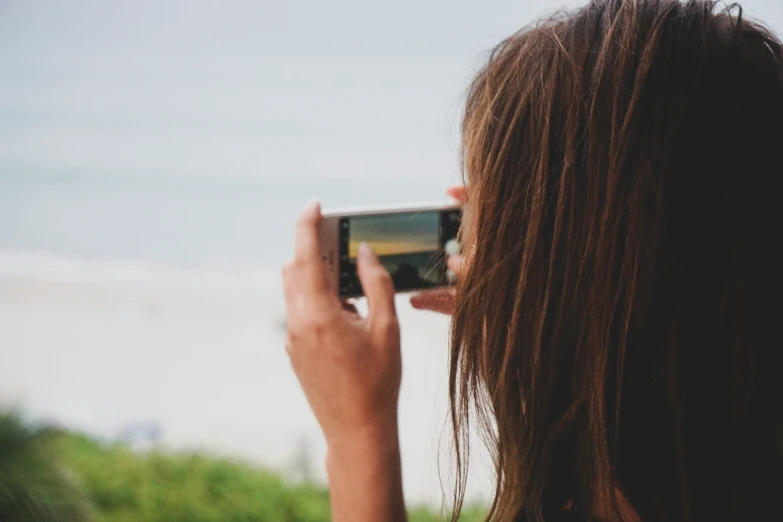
(412, 246)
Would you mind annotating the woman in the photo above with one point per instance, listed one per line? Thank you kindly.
(614, 324)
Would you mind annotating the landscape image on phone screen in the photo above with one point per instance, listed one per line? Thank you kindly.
(408, 245)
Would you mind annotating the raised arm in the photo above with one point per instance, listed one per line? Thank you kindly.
(349, 368)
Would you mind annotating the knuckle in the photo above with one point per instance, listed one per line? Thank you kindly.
(296, 324)
(305, 260)
(381, 278)
(314, 319)
(291, 333)
(387, 324)
(321, 323)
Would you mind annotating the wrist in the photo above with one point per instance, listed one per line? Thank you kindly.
(365, 476)
(377, 439)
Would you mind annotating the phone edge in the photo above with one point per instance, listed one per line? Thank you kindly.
(329, 239)
(388, 209)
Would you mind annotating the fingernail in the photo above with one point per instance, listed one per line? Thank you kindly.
(366, 251)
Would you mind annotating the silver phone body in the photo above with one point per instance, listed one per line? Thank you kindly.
(330, 231)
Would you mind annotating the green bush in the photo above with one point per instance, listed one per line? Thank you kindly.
(126, 486)
(49, 475)
(34, 486)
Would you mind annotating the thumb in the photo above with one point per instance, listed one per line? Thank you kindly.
(376, 283)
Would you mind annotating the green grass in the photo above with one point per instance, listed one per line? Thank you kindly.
(78, 476)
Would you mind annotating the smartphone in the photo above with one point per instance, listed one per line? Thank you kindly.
(412, 243)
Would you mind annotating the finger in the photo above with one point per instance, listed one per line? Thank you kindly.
(289, 287)
(307, 252)
(376, 283)
(431, 298)
(440, 293)
(296, 299)
(445, 308)
(455, 263)
(306, 243)
(439, 301)
(457, 192)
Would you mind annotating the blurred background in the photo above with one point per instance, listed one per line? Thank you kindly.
(153, 158)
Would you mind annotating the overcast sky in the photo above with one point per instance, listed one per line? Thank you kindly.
(282, 28)
(248, 88)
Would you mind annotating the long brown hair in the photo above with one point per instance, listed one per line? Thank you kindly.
(616, 323)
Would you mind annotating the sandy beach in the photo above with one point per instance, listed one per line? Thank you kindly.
(204, 366)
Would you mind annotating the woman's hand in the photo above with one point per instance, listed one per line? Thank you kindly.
(443, 301)
(348, 366)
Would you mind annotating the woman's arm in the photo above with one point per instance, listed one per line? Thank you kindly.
(365, 478)
(349, 368)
